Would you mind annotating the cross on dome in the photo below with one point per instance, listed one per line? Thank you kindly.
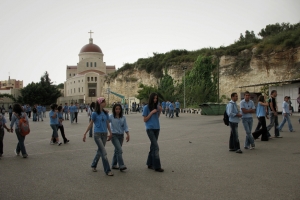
(90, 33)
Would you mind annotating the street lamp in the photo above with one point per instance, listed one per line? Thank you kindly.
(184, 68)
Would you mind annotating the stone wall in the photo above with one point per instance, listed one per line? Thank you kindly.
(235, 71)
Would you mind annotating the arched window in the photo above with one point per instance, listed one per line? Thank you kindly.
(92, 78)
(95, 64)
(88, 78)
(87, 64)
(91, 64)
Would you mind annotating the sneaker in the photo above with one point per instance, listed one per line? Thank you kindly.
(159, 170)
(115, 167)
(150, 167)
(252, 146)
(110, 174)
(51, 142)
(246, 147)
(123, 168)
(278, 136)
(25, 155)
(67, 141)
(59, 143)
(238, 151)
(17, 153)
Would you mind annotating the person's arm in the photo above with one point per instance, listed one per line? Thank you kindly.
(272, 107)
(88, 128)
(109, 130)
(146, 118)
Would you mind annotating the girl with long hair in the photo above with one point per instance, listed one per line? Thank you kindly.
(118, 127)
(151, 113)
(17, 114)
(261, 114)
(53, 115)
(100, 119)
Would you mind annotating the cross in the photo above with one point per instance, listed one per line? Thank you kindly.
(90, 33)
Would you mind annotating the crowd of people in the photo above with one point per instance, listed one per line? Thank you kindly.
(265, 109)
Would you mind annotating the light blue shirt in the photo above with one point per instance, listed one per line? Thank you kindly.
(118, 125)
(53, 120)
(285, 108)
(232, 111)
(153, 122)
(100, 122)
(177, 104)
(39, 108)
(15, 120)
(2, 121)
(171, 106)
(260, 111)
(247, 105)
(65, 109)
(163, 104)
(167, 105)
(71, 109)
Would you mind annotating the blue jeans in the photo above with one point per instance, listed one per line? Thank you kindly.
(117, 140)
(40, 116)
(167, 112)
(100, 139)
(54, 128)
(66, 116)
(177, 111)
(153, 156)
(248, 122)
(273, 120)
(234, 142)
(20, 146)
(288, 120)
(34, 117)
(171, 113)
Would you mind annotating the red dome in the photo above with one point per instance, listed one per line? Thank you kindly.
(90, 48)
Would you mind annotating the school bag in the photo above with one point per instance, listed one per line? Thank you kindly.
(226, 118)
(23, 125)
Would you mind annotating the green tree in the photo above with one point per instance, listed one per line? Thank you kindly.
(43, 92)
(166, 87)
(60, 86)
(145, 91)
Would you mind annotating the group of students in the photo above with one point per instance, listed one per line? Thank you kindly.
(117, 126)
(71, 110)
(263, 110)
(168, 108)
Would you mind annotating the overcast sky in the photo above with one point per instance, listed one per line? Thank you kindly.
(40, 35)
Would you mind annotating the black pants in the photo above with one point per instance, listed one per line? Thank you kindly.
(234, 142)
(263, 131)
(76, 114)
(10, 114)
(62, 131)
(177, 111)
(1, 140)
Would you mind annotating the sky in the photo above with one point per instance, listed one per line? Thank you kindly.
(38, 36)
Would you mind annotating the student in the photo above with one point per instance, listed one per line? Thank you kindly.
(76, 108)
(60, 124)
(167, 108)
(118, 127)
(234, 115)
(53, 115)
(18, 113)
(261, 115)
(66, 111)
(90, 111)
(44, 111)
(273, 114)
(151, 113)
(171, 109)
(2, 126)
(100, 119)
(177, 105)
(72, 110)
(10, 112)
(39, 110)
(286, 112)
(163, 105)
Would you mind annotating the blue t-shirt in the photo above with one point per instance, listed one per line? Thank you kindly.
(153, 122)
(39, 108)
(177, 104)
(171, 106)
(260, 111)
(53, 120)
(66, 108)
(167, 105)
(163, 104)
(100, 122)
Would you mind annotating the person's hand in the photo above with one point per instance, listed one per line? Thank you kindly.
(11, 130)
(275, 114)
(284, 114)
(239, 115)
(83, 139)
(109, 137)
(154, 111)
(127, 138)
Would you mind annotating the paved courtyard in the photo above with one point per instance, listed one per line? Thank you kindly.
(193, 150)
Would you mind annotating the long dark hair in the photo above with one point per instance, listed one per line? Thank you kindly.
(92, 106)
(261, 98)
(59, 108)
(17, 109)
(97, 108)
(114, 110)
(151, 104)
(53, 106)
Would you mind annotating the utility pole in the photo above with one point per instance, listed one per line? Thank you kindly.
(184, 68)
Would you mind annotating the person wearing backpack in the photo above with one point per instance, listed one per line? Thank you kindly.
(2, 126)
(234, 118)
(17, 115)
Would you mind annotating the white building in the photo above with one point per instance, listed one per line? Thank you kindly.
(85, 81)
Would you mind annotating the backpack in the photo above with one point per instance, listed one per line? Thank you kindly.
(23, 125)
(226, 118)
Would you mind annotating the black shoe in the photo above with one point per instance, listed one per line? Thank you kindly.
(238, 151)
(150, 167)
(123, 168)
(67, 141)
(159, 170)
(115, 167)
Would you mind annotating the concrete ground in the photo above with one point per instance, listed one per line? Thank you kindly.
(193, 151)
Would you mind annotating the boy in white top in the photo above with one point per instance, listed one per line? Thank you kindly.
(286, 115)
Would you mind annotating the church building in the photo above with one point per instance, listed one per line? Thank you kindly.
(85, 81)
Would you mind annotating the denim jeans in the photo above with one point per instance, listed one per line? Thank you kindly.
(153, 156)
(54, 128)
(117, 140)
(72, 117)
(288, 120)
(248, 122)
(20, 146)
(234, 142)
(171, 113)
(100, 139)
(273, 120)
(167, 112)
(66, 116)
(34, 117)
(40, 116)
(1, 140)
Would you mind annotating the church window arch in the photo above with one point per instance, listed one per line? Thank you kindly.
(87, 64)
(95, 64)
(88, 78)
(91, 64)
(92, 78)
